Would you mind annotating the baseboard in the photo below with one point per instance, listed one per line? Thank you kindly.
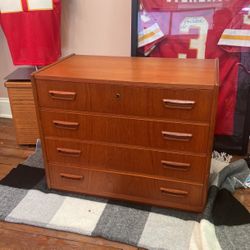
(5, 110)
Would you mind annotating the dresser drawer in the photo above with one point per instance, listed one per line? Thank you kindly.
(127, 160)
(164, 103)
(146, 133)
(128, 187)
(148, 190)
(70, 179)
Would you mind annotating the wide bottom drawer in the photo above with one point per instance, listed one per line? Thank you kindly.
(165, 193)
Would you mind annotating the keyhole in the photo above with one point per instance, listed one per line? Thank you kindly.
(118, 95)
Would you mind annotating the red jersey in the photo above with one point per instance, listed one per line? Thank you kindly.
(32, 30)
(205, 29)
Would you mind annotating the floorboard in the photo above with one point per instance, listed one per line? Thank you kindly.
(28, 237)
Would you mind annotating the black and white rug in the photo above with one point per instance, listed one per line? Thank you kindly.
(224, 224)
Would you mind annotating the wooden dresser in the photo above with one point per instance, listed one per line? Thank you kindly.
(137, 129)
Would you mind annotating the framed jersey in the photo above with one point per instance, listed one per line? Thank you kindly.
(204, 29)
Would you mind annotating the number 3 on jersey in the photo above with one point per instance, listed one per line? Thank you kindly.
(17, 5)
(199, 44)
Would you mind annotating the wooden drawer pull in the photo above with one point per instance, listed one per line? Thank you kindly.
(178, 104)
(71, 176)
(176, 136)
(62, 95)
(66, 125)
(176, 165)
(69, 152)
(174, 192)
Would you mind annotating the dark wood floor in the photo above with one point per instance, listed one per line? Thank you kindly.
(14, 236)
(10, 153)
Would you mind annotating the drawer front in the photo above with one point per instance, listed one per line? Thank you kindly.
(163, 135)
(128, 160)
(127, 187)
(69, 179)
(153, 191)
(182, 104)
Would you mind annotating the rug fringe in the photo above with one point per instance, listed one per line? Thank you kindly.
(222, 157)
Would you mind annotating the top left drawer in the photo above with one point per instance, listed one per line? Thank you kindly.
(65, 95)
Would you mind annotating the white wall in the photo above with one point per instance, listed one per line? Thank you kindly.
(96, 27)
(6, 65)
(93, 27)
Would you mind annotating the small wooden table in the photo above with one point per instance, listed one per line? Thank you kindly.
(23, 109)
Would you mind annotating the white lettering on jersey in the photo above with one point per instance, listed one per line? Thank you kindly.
(13, 6)
(9, 7)
(199, 44)
(40, 4)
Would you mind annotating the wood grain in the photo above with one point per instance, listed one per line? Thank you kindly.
(124, 130)
(243, 195)
(23, 111)
(15, 236)
(178, 72)
(128, 100)
(115, 158)
(11, 154)
(128, 187)
(145, 109)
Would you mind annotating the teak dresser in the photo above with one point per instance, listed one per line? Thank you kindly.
(137, 129)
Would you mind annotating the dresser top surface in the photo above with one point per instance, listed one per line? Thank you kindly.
(187, 72)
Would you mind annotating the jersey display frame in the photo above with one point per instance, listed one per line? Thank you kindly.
(233, 122)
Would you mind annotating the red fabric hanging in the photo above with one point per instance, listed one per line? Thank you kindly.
(32, 29)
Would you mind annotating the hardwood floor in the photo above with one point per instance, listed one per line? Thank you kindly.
(243, 195)
(10, 153)
(14, 236)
